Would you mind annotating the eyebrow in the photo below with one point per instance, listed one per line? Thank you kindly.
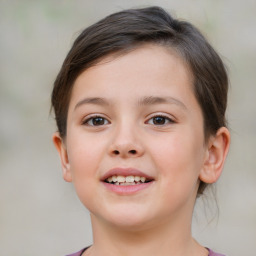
(152, 100)
(93, 100)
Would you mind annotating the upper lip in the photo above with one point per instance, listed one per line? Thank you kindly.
(125, 172)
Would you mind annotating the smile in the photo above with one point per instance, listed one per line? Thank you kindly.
(126, 180)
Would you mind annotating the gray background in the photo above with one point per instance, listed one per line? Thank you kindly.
(40, 213)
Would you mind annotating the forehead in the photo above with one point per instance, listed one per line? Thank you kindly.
(149, 70)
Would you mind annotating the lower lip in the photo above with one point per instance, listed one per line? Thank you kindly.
(127, 190)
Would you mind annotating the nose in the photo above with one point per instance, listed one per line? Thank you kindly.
(126, 143)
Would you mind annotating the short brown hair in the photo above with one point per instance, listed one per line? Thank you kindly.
(129, 29)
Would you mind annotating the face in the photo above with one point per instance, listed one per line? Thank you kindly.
(135, 147)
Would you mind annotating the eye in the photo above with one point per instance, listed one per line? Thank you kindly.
(160, 120)
(96, 121)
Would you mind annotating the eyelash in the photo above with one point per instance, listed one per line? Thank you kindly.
(87, 121)
(92, 118)
(168, 119)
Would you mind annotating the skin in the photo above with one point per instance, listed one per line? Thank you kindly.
(155, 220)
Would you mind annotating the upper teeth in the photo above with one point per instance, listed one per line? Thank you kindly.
(121, 179)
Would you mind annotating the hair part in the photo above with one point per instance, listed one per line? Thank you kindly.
(124, 31)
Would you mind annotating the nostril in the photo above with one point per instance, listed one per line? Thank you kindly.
(131, 152)
(116, 152)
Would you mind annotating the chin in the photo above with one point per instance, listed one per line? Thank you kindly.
(130, 219)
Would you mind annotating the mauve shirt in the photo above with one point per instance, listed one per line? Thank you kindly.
(211, 253)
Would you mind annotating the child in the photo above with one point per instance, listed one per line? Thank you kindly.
(140, 108)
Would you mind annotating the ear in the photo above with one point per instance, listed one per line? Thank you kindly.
(61, 148)
(216, 153)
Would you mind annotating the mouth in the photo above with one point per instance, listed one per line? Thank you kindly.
(126, 177)
(126, 181)
(129, 180)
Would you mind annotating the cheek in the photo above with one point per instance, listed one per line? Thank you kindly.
(83, 163)
(84, 158)
(179, 158)
(84, 152)
(178, 161)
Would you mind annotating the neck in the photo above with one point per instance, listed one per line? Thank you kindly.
(164, 239)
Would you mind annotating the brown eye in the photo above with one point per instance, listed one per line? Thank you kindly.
(160, 120)
(96, 121)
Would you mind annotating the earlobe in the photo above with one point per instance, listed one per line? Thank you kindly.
(216, 154)
(61, 148)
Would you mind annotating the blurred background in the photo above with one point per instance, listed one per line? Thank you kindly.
(40, 213)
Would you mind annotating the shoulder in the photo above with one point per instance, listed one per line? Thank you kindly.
(212, 253)
(79, 253)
